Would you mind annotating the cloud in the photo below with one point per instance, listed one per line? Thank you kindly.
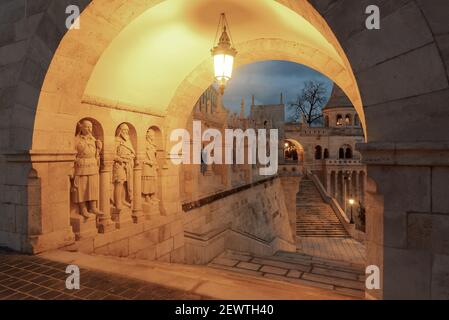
(266, 80)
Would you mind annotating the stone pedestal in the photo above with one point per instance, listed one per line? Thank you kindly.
(151, 209)
(82, 227)
(122, 218)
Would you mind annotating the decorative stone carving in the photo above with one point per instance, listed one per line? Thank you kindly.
(149, 175)
(85, 179)
(124, 162)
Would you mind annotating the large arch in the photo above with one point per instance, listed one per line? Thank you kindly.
(404, 85)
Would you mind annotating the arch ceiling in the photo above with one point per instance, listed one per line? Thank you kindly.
(148, 60)
(296, 143)
(155, 55)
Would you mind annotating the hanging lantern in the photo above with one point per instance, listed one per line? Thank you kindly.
(223, 54)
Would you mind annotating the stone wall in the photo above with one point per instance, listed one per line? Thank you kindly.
(160, 238)
(254, 220)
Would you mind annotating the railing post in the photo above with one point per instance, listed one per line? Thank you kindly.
(105, 223)
(137, 214)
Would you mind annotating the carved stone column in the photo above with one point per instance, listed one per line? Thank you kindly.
(137, 214)
(105, 223)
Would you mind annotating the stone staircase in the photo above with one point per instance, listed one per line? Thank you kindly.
(343, 278)
(314, 217)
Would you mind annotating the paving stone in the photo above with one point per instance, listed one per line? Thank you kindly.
(17, 296)
(281, 264)
(351, 292)
(294, 274)
(274, 270)
(49, 284)
(248, 265)
(225, 261)
(50, 295)
(299, 281)
(38, 292)
(335, 273)
(245, 271)
(240, 257)
(6, 293)
(334, 281)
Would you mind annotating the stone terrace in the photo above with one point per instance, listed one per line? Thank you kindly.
(33, 278)
(342, 277)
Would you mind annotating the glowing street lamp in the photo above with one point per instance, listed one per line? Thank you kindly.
(224, 54)
(351, 202)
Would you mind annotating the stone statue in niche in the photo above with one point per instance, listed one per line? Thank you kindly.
(125, 156)
(85, 183)
(150, 169)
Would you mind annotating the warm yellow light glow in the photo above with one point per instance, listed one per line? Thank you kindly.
(351, 201)
(286, 144)
(152, 55)
(223, 64)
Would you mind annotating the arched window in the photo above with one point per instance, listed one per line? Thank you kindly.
(339, 120)
(348, 121)
(348, 153)
(295, 155)
(326, 121)
(318, 152)
(326, 153)
(341, 153)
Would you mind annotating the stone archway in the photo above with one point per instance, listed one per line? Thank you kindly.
(404, 86)
(299, 149)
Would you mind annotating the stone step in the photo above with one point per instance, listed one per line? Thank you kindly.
(314, 217)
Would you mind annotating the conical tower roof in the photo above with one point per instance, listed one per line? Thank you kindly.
(338, 99)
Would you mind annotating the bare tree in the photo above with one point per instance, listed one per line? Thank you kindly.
(309, 103)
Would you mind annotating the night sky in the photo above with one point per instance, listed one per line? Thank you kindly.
(266, 80)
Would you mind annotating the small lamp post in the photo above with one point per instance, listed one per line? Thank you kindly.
(223, 54)
(351, 203)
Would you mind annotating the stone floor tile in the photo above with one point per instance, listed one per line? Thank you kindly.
(281, 264)
(335, 273)
(239, 270)
(294, 274)
(225, 261)
(334, 281)
(248, 266)
(274, 270)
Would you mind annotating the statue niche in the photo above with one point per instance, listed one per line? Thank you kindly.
(150, 170)
(124, 162)
(85, 177)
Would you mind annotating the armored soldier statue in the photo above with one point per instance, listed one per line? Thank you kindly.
(150, 168)
(123, 168)
(85, 182)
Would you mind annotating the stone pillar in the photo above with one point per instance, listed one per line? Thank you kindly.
(407, 215)
(137, 214)
(328, 183)
(37, 186)
(105, 223)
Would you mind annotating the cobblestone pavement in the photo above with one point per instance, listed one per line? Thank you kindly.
(25, 277)
(344, 249)
(338, 276)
